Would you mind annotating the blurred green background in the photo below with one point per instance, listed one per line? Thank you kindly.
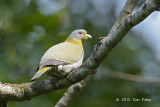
(32, 26)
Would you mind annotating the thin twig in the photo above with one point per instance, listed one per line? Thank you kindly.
(130, 77)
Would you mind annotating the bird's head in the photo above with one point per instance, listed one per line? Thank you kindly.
(80, 35)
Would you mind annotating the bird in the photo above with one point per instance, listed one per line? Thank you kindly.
(60, 59)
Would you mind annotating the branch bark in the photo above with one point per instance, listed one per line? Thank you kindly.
(26, 91)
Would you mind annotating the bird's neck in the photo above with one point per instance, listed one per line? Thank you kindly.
(78, 42)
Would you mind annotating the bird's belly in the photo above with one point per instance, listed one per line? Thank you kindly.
(67, 68)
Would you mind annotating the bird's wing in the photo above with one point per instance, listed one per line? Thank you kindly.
(53, 62)
(62, 54)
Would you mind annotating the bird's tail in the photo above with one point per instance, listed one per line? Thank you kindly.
(40, 72)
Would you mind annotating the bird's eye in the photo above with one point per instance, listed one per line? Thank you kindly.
(80, 32)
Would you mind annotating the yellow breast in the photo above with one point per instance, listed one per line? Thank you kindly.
(78, 42)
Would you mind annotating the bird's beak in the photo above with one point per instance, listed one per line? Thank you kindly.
(88, 36)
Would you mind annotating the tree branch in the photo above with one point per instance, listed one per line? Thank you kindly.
(15, 92)
(71, 93)
(128, 8)
(130, 77)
